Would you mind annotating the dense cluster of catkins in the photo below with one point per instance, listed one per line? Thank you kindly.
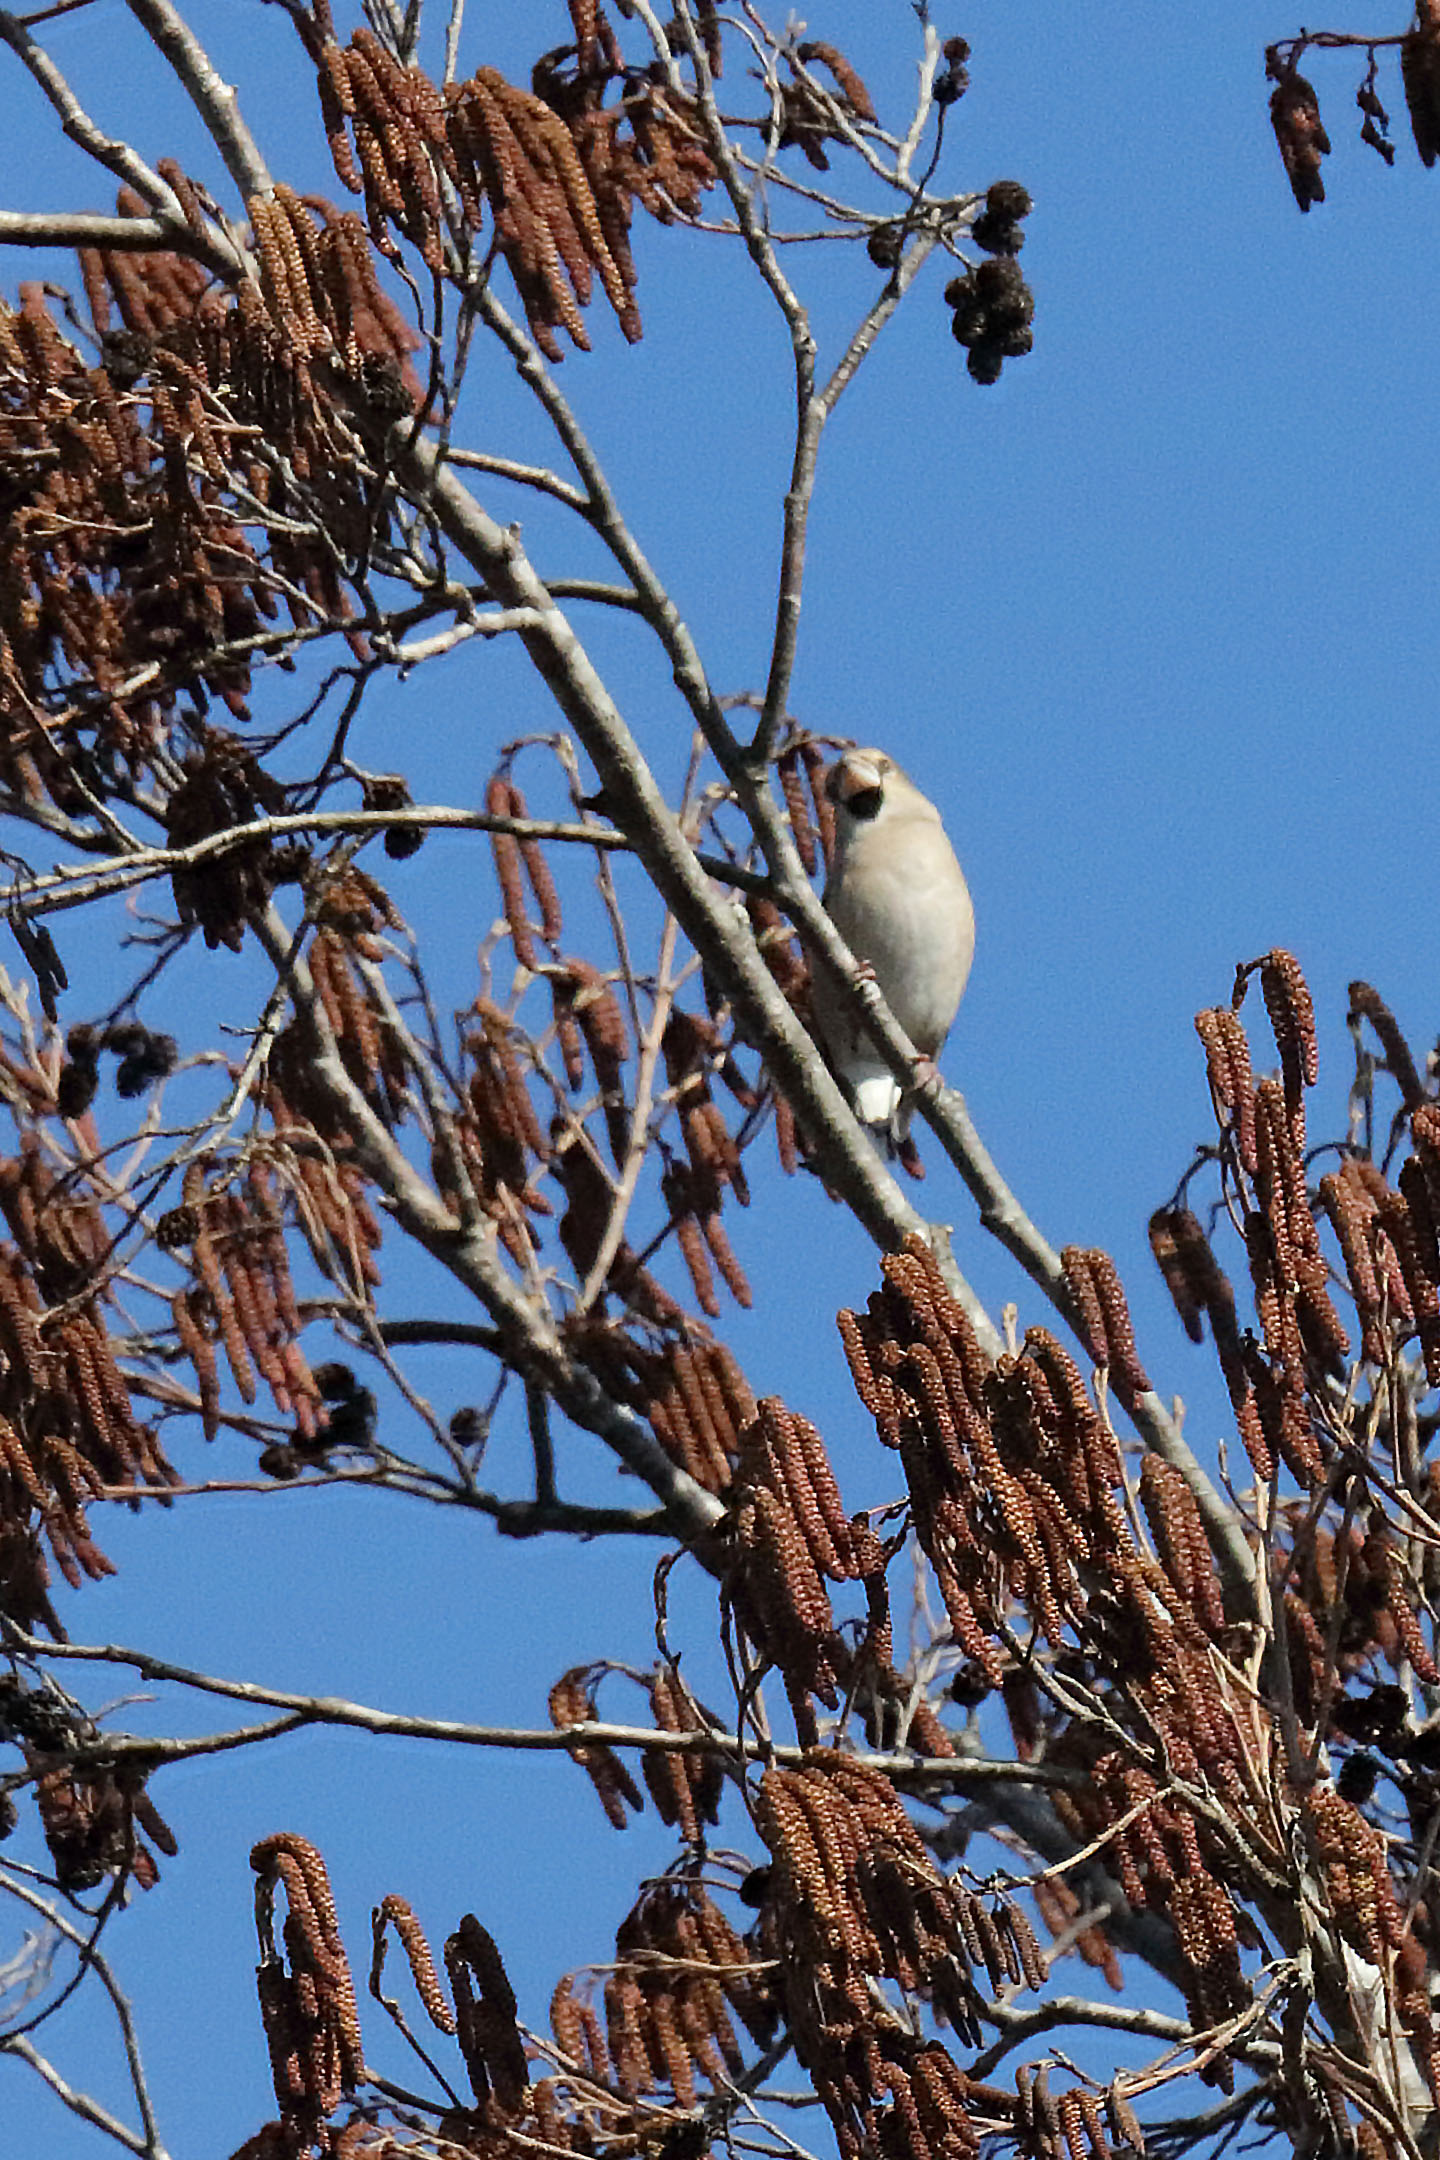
(548, 175)
(161, 504)
(1084, 1592)
(240, 1294)
(851, 1899)
(68, 1428)
(661, 2014)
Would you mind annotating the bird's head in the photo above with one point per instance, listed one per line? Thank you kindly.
(865, 785)
(856, 783)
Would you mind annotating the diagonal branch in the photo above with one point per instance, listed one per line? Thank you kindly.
(81, 2104)
(469, 1253)
(214, 100)
(117, 157)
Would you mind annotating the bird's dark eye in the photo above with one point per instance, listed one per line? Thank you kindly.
(865, 802)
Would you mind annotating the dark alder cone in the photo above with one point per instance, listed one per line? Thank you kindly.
(1420, 73)
(960, 294)
(289, 862)
(756, 1887)
(125, 355)
(1300, 132)
(997, 228)
(336, 1382)
(1008, 199)
(388, 791)
(953, 80)
(984, 361)
(885, 246)
(1003, 293)
(75, 1088)
(177, 1226)
(470, 1427)
(994, 308)
(127, 1038)
(1357, 1780)
(383, 382)
(151, 1059)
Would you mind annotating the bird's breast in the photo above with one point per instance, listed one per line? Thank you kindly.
(909, 915)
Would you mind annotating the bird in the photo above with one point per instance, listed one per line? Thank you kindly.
(898, 897)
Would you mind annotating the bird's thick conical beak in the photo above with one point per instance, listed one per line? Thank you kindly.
(851, 776)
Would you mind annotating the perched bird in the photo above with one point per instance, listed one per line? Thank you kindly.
(899, 899)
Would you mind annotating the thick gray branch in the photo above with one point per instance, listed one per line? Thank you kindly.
(214, 100)
(643, 815)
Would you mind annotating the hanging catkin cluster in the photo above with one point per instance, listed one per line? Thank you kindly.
(853, 1900)
(694, 1190)
(662, 2015)
(89, 1819)
(1011, 1470)
(240, 1293)
(307, 1994)
(330, 1191)
(502, 1145)
(685, 1788)
(1340, 1409)
(121, 567)
(68, 1429)
(224, 786)
(1385, 1235)
(791, 1536)
(1014, 1479)
(483, 158)
(1295, 106)
(144, 514)
(691, 1389)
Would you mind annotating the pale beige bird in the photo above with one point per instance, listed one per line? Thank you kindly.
(899, 899)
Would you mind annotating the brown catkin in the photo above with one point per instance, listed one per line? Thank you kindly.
(572, 1703)
(1367, 1004)
(1292, 1017)
(509, 870)
(395, 1912)
(1227, 1058)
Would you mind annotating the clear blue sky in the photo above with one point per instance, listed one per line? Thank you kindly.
(1151, 620)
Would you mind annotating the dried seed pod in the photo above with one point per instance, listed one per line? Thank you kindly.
(1420, 74)
(485, 2010)
(1300, 134)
